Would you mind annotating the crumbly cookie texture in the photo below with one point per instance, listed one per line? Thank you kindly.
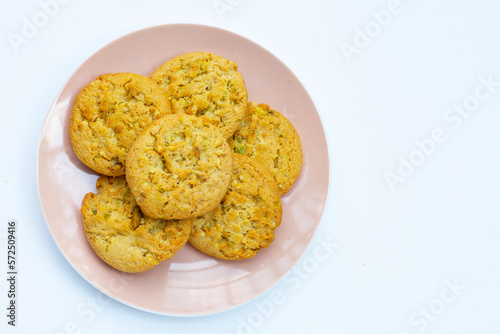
(268, 137)
(109, 114)
(179, 167)
(121, 235)
(205, 85)
(245, 220)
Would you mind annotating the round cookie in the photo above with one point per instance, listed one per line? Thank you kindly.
(121, 235)
(107, 116)
(179, 167)
(268, 137)
(205, 85)
(245, 220)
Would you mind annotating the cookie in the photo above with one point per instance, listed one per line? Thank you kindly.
(107, 116)
(245, 220)
(268, 137)
(179, 167)
(121, 235)
(205, 85)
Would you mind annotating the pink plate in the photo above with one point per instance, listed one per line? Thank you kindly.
(191, 283)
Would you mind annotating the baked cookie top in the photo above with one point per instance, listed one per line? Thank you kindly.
(205, 85)
(245, 220)
(107, 116)
(268, 137)
(121, 235)
(179, 167)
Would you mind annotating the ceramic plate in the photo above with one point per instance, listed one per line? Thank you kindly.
(191, 283)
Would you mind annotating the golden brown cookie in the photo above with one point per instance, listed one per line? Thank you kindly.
(205, 85)
(121, 235)
(107, 116)
(245, 220)
(179, 167)
(268, 137)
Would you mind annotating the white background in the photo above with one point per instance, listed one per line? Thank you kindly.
(398, 248)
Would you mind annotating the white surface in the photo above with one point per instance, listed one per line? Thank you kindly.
(395, 253)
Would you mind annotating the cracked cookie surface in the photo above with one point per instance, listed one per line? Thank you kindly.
(245, 220)
(269, 137)
(207, 86)
(179, 167)
(107, 116)
(121, 235)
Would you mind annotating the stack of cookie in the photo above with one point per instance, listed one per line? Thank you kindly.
(183, 157)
